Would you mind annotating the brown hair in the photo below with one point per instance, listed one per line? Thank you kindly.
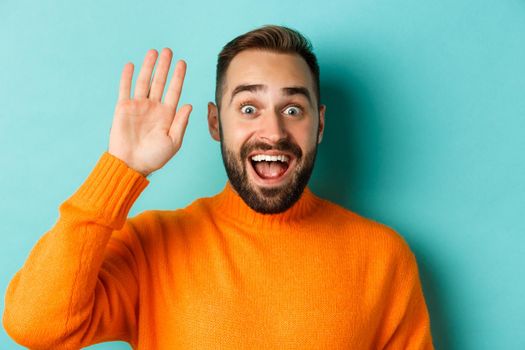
(272, 38)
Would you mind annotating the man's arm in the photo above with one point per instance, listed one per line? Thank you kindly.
(79, 285)
(407, 321)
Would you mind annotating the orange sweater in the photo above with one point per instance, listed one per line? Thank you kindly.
(214, 275)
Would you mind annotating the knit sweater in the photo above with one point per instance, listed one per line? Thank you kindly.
(214, 275)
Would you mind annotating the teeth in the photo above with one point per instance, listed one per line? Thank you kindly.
(261, 157)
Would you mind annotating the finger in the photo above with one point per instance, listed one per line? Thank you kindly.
(125, 82)
(178, 126)
(143, 81)
(159, 80)
(175, 87)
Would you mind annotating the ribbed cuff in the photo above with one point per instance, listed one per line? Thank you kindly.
(109, 191)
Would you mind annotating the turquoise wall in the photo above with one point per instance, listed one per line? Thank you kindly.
(424, 129)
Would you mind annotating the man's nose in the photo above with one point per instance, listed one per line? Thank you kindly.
(273, 127)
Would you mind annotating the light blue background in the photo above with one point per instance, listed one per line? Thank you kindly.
(424, 129)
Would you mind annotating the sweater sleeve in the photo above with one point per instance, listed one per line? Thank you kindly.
(78, 286)
(408, 321)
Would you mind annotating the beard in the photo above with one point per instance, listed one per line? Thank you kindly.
(268, 200)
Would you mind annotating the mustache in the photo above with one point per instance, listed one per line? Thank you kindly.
(283, 146)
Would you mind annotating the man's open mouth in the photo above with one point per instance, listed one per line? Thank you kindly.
(270, 167)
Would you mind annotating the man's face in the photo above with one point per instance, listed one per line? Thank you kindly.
(268, 109)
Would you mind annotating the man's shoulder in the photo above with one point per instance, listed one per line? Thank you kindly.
(149, 226)
(194, 211)
(152, 216)
(364, 228)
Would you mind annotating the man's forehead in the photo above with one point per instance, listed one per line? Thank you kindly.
(260, 71)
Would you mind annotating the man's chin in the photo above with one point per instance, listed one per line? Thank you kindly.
(269, 191)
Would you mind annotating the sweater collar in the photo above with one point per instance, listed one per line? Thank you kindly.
(229, 204)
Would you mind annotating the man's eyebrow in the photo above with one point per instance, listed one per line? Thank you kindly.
(298, 90)
(247, 87)
(288, 91)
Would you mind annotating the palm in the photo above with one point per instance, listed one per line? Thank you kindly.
(146, 133)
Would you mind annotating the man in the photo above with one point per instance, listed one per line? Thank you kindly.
(264, 264)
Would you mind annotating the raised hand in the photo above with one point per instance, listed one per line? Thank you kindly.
(146, 133)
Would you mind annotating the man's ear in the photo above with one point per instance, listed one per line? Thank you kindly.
(322, 110)
(213, 121)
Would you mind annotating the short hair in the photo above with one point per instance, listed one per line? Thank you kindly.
(272, 38)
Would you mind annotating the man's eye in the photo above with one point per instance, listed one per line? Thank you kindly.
(247, 109)
(293, 110)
